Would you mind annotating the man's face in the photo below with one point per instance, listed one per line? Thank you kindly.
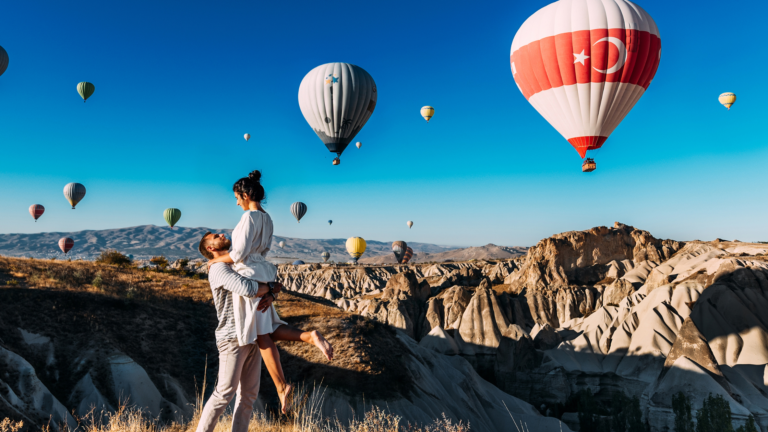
(218, 243)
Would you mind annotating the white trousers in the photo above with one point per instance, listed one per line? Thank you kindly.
(239, 374)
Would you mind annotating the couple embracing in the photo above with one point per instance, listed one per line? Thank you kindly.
(244, 287)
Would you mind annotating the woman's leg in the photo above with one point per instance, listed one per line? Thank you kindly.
(288, 333)
(272, 361)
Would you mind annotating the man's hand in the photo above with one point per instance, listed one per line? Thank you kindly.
(265, 303)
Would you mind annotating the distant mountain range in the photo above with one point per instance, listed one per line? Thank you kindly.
(147, 241)
(487, 252)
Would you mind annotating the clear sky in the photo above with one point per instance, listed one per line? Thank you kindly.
(179, 83)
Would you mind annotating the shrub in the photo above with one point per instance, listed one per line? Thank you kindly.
(113, 257)
(714, 415)
(12, 282)
(160, 261)
(97, 281)
(681, 406)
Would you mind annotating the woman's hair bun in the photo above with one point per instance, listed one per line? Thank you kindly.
(255, 175)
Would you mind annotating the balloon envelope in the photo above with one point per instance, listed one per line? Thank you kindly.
(407, 256)
(247, 136)
(298, 210)
(85, 89)
(337, 99)
(74, 192)
(409, 223)
(36, 210)
(171, 216)
(325, 255)
(427, 112)
(398, 248)
(727, 99)
(355, 247)
(66, 244)
(281, 244)
(3, 60)
(330, 222)
(583, 64)
(359, 144)
(298, 262)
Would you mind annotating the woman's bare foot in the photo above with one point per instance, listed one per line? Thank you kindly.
(323, 344)
(286, 398)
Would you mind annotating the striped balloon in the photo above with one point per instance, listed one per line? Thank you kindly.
(337, 99)
(583, 65)
(727, 99)
(298, 209)
(36, 210)
(325, 255)
(66, 244)
(3, 60)
(427, 112)
(85, 89)
(398, 248)
(407, 256)
(171, 216)
(74, 192)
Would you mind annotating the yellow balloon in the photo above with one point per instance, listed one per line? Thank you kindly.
(355, 247)
(727, 99)
(427, 112)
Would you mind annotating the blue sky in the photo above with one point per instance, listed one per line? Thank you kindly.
(178, 84)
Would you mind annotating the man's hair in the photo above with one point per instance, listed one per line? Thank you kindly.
(203, 245)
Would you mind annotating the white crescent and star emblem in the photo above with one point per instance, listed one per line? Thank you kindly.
(622, 54)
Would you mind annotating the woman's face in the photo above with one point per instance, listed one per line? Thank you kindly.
(243, 201)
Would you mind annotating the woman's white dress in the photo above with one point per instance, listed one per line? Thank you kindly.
(251, 240)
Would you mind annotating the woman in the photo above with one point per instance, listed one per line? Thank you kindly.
(251, 240)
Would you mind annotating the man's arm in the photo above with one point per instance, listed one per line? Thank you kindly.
(222, 275)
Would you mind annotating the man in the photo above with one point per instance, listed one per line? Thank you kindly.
(239, 366)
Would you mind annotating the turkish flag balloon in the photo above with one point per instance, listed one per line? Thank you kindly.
(583, 64)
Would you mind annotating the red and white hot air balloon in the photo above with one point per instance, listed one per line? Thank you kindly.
(583, 64)
(66, 244)
(36, 210)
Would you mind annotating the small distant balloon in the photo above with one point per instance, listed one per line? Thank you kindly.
(130, 257)
(66, 244)
(85, 89)
(355, 247)
(727, 99)
(330, 222)
(298, 262)
(298, 210)
(36, 210)
(171, 216)
(325, 255)
(408, 255)
(3, 60)
(427, 112)
(398, 248)
(247, 136)
(359, 144)
(281, 244)
(74, 192)
(409, 223)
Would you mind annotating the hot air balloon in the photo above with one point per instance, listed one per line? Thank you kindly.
(427, 112)
(66, 244)
(583, 64)
(355, 247)
(171, 216)
(85, 89)
(727, 99)
(298, 209)
(3, 60)
(398, 248)
(407, 256)
(298, 262)
(36, 210)
(325, 255)
(130, 257)
(74, 192)
(281, 244)
(247, 136)
(330, 222)
(337, 99)
(409, 223)
(359, 144)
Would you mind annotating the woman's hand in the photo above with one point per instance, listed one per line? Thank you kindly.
(265, 302)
